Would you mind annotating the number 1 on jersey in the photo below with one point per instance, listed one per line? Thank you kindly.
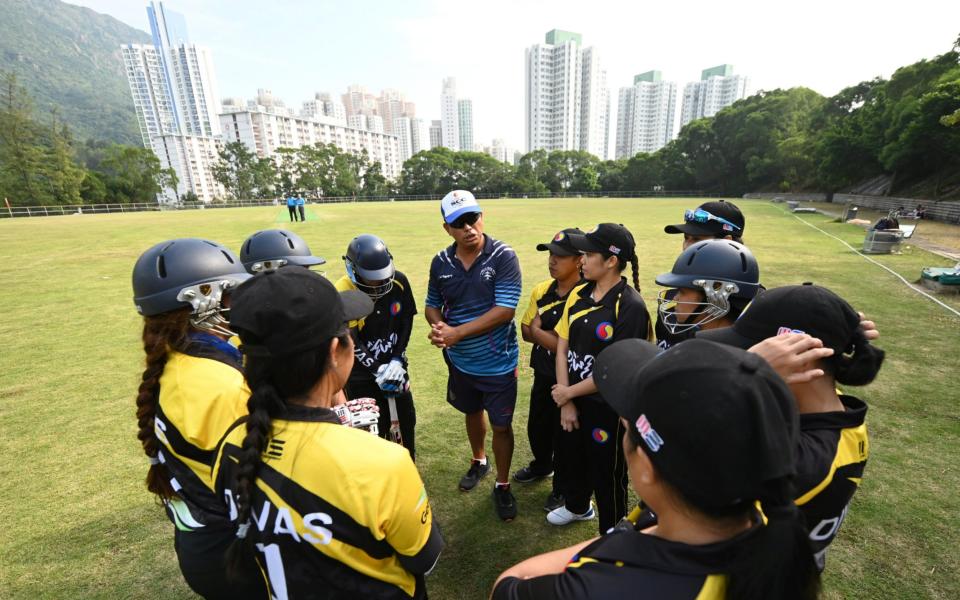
(275, 572)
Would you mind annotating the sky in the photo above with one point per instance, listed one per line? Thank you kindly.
(298, 47)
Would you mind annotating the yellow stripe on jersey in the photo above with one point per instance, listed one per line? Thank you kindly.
(563, 327)
(582, 561)
(345, 285)
(853, 448)
(533, 308)
(714, 588)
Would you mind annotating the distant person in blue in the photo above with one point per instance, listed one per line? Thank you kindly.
(300, 203)
(292, 207)
(472, 295)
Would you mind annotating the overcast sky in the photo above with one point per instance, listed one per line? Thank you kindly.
(297, 47)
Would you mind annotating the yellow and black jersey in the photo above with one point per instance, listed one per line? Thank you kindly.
(202, 394)
(545, 301)
(631, 564)
(590, 326)
(831, 455)
(335, 508)
(384, 334)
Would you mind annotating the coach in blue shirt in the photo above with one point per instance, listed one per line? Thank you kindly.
(472, 295)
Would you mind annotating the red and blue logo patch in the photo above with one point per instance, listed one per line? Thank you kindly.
(605, 331)
(600, 436)
(395, 308)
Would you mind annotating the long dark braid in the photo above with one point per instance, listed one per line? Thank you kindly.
(635, 271)
(272, 380)
(161, 334)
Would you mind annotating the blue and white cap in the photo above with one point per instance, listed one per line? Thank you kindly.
(458, 203)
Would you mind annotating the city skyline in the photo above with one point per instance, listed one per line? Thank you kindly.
(408, 47)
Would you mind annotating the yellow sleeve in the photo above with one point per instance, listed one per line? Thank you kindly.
(345, 285)
(563, 326)
(407, 516)
(532, 308)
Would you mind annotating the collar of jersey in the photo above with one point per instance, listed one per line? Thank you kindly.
(854, 416)
(205, 345)
(610, 298)
(312, 414)
(641, 550)
(487, 248)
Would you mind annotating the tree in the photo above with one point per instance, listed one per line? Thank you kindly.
(428, 172)
(130, 174)
(21, 156)
(235, 170)
(643, 172)
(62, 174)
(167, 180)
(374, 182)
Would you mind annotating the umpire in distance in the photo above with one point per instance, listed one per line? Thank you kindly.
(472, 296)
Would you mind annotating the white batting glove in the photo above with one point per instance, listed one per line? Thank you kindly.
(390, 377)
(364, 414)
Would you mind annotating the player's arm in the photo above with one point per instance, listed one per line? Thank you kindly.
(537, 577)
(406, 323)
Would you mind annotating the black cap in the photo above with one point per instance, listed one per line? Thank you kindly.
(809, 309)
(724, 210)
(610, 239)
(291, 310)
(717, 422)
(561, 244)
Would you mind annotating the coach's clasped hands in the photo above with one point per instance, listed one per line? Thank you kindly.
(444, 336)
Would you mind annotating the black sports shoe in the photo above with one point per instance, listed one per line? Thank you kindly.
(476, 472)
(505, 503)
(554, 501)
(528, 475)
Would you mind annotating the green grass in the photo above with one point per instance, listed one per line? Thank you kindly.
(77, 522)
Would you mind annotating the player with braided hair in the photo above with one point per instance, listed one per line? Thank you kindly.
(192, 390)
(326, 510)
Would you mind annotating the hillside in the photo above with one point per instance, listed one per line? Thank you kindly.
(68, 57)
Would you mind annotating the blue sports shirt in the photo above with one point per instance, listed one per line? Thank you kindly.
(463, 295)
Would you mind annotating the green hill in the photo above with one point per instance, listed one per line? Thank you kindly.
(68, 58)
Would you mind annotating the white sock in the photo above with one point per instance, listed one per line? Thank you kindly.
(482, 461)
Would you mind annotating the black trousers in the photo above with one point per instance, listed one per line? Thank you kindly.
(293, 213)
(201, 557)
(406, 412)
(302, 216)
(543, 427)
(592, 462)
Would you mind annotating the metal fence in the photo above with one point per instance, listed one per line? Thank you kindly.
(89, 209)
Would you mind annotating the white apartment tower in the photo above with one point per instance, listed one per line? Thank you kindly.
(436, 133)
(718, 88)
(566, 96)
(175, 95)
(449, 115)
(419, 135)
(465, 115)
(645, 114)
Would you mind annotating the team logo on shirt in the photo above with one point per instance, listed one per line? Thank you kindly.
(395, 308)
(600, 436)
(605, 331)
(488, 273)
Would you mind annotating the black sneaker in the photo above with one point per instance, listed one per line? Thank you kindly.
(504, 503)
(476, 472)
(528, 475)
(554, 501)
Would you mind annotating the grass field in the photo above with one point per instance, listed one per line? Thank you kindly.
(77, 522)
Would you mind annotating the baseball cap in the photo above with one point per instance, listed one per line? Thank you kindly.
(725, 210)
(291, 310)
(717, 422)
(611, 239)
(561, 244)
(808, 308)
(457, 203)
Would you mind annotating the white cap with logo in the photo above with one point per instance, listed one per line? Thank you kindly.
(458, 203)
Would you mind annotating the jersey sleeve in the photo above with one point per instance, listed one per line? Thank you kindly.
(535, 588)
(532, 306)
(409, 303)
(408, 519)
(434, 299)
(508, 284)
(345, 285)
(633, 320)
(563, 325)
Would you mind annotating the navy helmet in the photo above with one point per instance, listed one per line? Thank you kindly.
(271, 249)
(370, 265)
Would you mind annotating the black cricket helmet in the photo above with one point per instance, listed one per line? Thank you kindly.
(370, 265)
(725, 271)
(271, 249)
(187, 272)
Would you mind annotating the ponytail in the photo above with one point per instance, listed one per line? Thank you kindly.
(861, 366)
(161, 334)
(635, 271)
(777, 560)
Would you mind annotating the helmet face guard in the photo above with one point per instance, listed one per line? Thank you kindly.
(375, 288)
(206, 302)
(715, 306)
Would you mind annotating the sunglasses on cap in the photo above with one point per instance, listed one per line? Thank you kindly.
(464, 220)
(701, 216)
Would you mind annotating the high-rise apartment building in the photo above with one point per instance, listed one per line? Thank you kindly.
(645, 114)
(566, 96)
(449, 115)
(419, 135)
(401, 129)
(718, 88)
(465, 115)
(436, 133)
(174, 89)
(325, 105)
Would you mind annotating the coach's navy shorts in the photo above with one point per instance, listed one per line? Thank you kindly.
(497, 394)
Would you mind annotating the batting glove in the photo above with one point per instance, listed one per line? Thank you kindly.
(361, 413)
(391, 377)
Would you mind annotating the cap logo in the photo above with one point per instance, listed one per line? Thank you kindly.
(727, 227)
(457, 201)
(395, 309)
(649, 435)
(559, 237)
(614, 249)
(788, 331)
(600, 436)
(605, 331)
